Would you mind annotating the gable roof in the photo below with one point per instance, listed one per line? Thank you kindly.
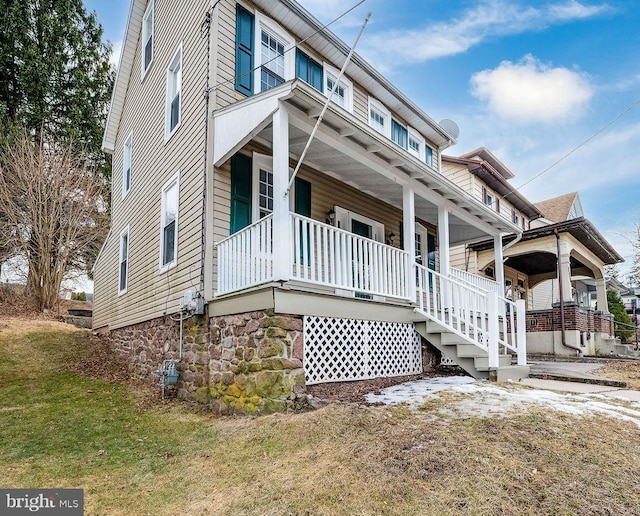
(496, 181)
(558, 209)
(125, 66)
(484, 154)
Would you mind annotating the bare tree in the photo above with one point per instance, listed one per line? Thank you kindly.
(54, 208)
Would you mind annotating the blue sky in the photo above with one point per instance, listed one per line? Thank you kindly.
(529, 80)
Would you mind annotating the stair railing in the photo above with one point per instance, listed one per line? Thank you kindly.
(481, 317)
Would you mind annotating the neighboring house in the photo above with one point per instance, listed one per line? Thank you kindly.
(339, 273)
(556, 226)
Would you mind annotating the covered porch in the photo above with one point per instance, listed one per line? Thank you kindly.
(337, 251)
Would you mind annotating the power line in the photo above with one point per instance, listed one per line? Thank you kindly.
(238, 76)
(576, 148)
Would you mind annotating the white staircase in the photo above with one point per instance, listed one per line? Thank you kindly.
(477, 329)
(471, 358)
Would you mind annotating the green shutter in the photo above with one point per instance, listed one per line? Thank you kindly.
(302, 203)
(240, 192)
(244, 50)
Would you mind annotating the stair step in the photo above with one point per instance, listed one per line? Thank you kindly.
(513, 373)
(470, 350)
(482, 363)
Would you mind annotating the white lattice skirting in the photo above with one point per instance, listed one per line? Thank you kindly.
(337, 350)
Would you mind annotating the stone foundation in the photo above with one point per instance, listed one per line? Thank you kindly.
(243, 363)
(255, 363)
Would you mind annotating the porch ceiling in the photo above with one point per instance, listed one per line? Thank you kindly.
(347, 149)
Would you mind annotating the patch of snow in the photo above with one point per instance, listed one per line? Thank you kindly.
(481, 398)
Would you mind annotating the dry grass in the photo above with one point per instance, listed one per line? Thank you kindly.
(625, 370)
(69, 430)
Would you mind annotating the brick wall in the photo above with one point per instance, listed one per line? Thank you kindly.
(575, 318)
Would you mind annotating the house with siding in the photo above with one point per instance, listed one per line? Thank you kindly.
(567, 311)
(249, 282)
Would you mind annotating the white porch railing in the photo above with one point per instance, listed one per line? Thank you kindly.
(481, 317)
(245, 259)
(474, 280)
(318, 254)
(325, 255)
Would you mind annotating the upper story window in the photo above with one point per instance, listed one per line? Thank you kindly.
(343, 94)
(263, 184)
(379, 117)
(174, 94)
(490, 199)
(169, 224)
(399, 134)
(123, 261)
(428, 156)
(515, 218)
(126, 165)
(275, 61)
(309, 70)
(147, 38)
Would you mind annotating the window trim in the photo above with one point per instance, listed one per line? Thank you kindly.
(121, 291)
(327, 71)
(433, 155)
(415, 135)
(172, 70)
(127, 153)
(149, 12)
(174, 181)
(379, 107)
(261, 23)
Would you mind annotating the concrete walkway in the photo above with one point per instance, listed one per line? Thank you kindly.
(576, 377)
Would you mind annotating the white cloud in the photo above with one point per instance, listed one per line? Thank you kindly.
(489, 19)
(531, 92)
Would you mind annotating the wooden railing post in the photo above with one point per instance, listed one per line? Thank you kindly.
(493, 327)
(521, 331)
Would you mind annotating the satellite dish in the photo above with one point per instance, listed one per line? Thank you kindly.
(451, 127)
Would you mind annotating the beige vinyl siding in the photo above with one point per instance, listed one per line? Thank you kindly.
(459, 174)
(151, 293)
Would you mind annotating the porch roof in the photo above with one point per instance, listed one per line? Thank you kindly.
(580, 228)
(348, 149)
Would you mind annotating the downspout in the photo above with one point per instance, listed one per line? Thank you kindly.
(562, 330)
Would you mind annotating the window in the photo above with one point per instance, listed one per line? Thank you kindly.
(309, 70)
(124, 261)
(147, 38)
(126, 165)
(169, 224)
(343, 94)
(275, 63)
(515, 218)
(428, 158)
(399, 134)
(416, 144)
(263, 184)
(379, 117)
(174, 93)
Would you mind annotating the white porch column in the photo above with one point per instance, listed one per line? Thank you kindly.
(499, 263)
(281, 238)
(564, 261)
(443, 240)
(601, 295)
(409, 235)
